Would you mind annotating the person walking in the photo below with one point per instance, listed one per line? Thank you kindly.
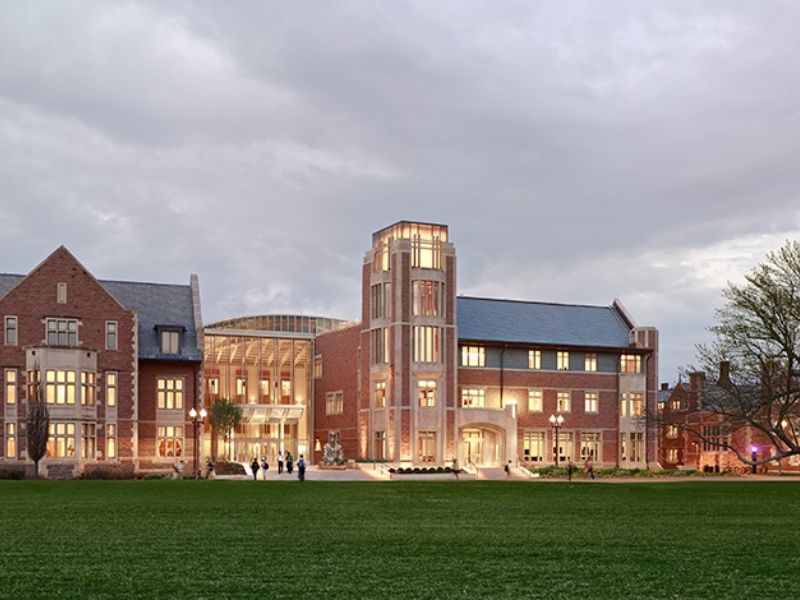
(289, 463)
(280, 462)
(301, 469)
(507, 469)
(455, 468)
(588, 468)
(254, 468)
(210, 470)
(264, 467)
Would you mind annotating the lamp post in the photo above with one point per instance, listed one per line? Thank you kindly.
(197, 418)
(753, 457)
(556, 422)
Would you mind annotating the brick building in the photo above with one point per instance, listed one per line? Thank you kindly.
(428, 376)
(118, 363)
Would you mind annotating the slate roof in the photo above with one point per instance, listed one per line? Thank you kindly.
(155, 304)
(513, 321)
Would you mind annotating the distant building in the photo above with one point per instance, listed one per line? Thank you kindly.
(118, 364)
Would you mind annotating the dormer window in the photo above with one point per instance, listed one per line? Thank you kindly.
(170, 341)
(62, 332)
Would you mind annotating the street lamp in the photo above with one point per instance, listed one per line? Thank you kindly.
(556, 422)
(753, 457)
(197, 418)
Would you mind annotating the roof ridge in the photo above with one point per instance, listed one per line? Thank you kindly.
(514, 300)
(182, 285)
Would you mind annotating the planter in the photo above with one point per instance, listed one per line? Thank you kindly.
(324, 467)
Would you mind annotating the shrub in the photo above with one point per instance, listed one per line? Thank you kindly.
(229, 468)
(108, 471)
(15, 474)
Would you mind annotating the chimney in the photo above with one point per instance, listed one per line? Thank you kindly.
(697, 380)
(724, 373)
(664, 387)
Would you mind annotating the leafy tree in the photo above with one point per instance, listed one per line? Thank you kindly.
(757, 342)
(225, 417)
(38, 423)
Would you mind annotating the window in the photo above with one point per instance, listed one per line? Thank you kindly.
(286, 391)
(111, 335)
(376, 301)
(11, 386)
(170, 341)
(61, 293)
(213, 386)
(380, 394)
(265, 391)
(631, 405)
(590, 402)
(61, 440)
(636, 447)
(334, 403)
(565, 446)
(623, 446)
(426, 393)
(111, 388)
(535, 401)
(563, 401)
(169, 391)
(672, 432)
(380, 445)
(534, 359)
(11, 440)
(426, 254)
(88, 440)
(673, 455)
(630, 363)
(473, 397)
(714, 438)
(62, 332)
(318, 366)
(111, 441)
(33, 383)
(170, 441)
(379, 346)
(562, 361)
(590, 362)
(426, 300)
(241, 388)
(426, 344)
(676, 405)
(427, 446)
(88, 388)
(473, 356)
(11, 331)
(533, 446)
(60, 387)
(380, 257)
(590, 446)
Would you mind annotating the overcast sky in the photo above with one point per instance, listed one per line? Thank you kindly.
(579, 151)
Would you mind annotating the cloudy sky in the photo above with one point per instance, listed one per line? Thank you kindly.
(579, 151)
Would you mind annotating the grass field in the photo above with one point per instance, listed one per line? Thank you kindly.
(226, 539)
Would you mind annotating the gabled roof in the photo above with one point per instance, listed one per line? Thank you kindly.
(155, 304)
(514, 321)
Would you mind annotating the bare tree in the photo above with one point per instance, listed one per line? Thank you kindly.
(754, 357)
(224, 417)
(38, 423)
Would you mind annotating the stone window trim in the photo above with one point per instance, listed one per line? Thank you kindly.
(11, 330)
(170, 339)
(112, 335)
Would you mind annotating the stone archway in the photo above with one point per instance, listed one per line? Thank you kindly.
(482, 445)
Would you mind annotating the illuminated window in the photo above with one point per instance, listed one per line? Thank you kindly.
(286, 391)
(672, 431)
(563, 401)
(213, 386)
(473, 356)
(535, 401)
(318, 366)
(590, 402)
(427, 447)
(426, 298)
(590, 446)
(61, 440)
(376, 301)
(533, 446)
(334, 403)
(88, 388)
(636, 448)
(562, 361)
(111, 441)
(380, 257)
(425, 253)
(11, 386)
(62, 332)
(265, 391)
(60, 386)
(11, 331)
(380, 394)
(676, 405)
(565, 446)
(33, 380)
(534, 359)
(241, 388)
(590, 362)
(170, 342)
(169, 391)
(88, 440)
(472, 397)
(631, 405)
(630, 363)
(111, 335)
(111, 388)
(673, 455)
(11, 440)
(380, 445)
(426, 393)
(379, 346)
(170, 441)
(426, 344)
(61, 293)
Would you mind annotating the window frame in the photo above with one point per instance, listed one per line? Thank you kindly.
(112, 335)
(473, 356)
(533, 393)
(562, 360)
(10, 387)
(535, 360)
(170, 387)
(594, 400)
(563, 401)
(8, 328)
(590, 362)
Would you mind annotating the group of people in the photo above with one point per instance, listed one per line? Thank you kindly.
(288, 462)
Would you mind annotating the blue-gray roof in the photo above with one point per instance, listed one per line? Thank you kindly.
(155, 304)
(516, 322)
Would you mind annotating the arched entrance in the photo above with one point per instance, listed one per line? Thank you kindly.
(482, 445)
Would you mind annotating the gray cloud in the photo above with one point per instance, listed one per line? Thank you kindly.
(579, 151)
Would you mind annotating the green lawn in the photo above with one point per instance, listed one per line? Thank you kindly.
(225, 539)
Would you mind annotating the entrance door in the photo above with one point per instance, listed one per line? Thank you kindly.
(473, 446)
